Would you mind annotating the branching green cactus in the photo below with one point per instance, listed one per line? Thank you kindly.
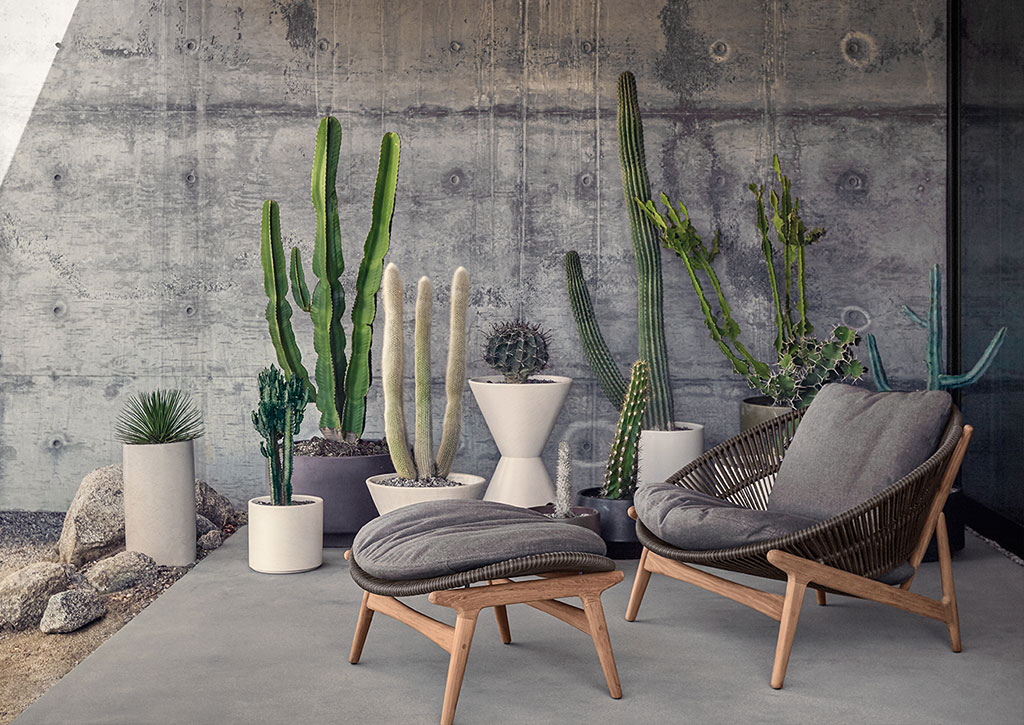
(563, 483)
(937, 380)
(517, 350)
(624, 457)
(277, 419)
(803, 363)
(341, 384)
(421, 464)
(650, 313)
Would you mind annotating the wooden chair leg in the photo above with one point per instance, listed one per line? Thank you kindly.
(599, 631)
(501, 615)
(795, 589)
(465, 623)
(948, 590)
(362, 627)
(643, 576)
(821, 597)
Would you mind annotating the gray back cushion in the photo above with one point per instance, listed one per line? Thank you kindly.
(436, 538)
(853, 443)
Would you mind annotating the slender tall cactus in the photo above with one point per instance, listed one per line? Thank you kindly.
(422, 464)
(650, 308)
(937, 380)
(624, 456)
(563, 482)
(341, 384)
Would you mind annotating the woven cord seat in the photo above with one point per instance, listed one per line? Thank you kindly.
(843, 554)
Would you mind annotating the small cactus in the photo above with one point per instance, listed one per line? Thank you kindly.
(517, 350)
(563, 483)
(624, 457)
(277, 419)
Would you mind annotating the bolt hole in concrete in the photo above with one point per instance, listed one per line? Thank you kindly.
(858, 49)
(719, 51)
(856, 318)
(851, 181)
(57, 177)
(455, 46)
(587, 180)
(323, 44)
(59, 308)
(587, 47)
(191, 178)
(455, 177)
(190, 310)
(191, 45)
(56, 444)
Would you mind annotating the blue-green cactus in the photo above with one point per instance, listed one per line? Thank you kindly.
(937, 380)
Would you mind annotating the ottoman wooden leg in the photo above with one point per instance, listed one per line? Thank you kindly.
(464, 626)
(603, 644)
(362, 627)
(501, 615)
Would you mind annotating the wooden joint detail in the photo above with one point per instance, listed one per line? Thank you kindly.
(437, 632)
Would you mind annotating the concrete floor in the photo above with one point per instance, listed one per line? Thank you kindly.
(226, 645)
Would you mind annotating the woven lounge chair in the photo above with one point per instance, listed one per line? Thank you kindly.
(856, 552)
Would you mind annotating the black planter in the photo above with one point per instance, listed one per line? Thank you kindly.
(341, 483)
(584, 516)
(617, 529)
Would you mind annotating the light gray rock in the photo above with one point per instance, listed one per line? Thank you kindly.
(214, 506)
(121, 571)
(71, 610)
(94, 523)
(210, 540)
(204, 525)
(24, 593)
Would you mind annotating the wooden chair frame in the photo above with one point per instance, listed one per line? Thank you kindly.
(802, 573)
(542, 594)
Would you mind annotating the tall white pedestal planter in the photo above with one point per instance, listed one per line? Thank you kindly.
(286, 539)
(159, 501)
(520, 417)
(663, 452)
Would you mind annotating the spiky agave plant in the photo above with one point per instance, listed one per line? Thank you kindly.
(162, 416)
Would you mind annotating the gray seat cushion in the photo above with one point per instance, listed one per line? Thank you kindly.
(436, 538)
(697, 521)
(853, 443)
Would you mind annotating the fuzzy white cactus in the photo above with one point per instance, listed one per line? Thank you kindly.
(563, 483)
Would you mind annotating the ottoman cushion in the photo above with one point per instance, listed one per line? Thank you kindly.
(437, 538)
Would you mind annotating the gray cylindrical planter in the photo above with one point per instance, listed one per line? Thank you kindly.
(617, 529)
(588, 518)
(160, 501)
(754, 411)
(341, 483)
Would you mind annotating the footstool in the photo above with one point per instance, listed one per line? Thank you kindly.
(441, 548)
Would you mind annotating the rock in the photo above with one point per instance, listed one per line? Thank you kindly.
(24, 593)
(204, 525)
(210, 540)
(94, 523)
(71, 610)
(121, 571)
(214, 506)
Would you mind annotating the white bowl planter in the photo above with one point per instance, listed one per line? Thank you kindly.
(520, 417)
(159, 501)
(389, 498)
(663, 452)
(286, 539)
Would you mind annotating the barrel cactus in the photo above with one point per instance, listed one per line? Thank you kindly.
(624, 456)
(517, 350)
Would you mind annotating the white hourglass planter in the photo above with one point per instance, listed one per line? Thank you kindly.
(160, 501)
(520, 417)
(663, 452)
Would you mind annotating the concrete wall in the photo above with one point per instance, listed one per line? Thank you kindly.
(129, 218)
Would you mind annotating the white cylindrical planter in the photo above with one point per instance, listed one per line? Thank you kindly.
(389, 498)
(520, 417)
(286, 539)
(663, 452)
(160, 501)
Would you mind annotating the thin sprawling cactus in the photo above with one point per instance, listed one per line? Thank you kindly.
(650, 314)
(563, 483)
(517, 350)
(277, 419)
(937, 380)
(341, 384)
(421, 463)
(803, 363)
(624, 456)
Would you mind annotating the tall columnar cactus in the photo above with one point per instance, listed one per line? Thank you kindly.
(650, 314)
(937, 380)
(421, 464)
(341, 384)
(277, 419)
(517, 350)
(803, 363)
(624, 457)
(563, 482)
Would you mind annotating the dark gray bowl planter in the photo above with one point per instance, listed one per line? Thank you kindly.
(341, 483)
(617, 529)
(588, 518)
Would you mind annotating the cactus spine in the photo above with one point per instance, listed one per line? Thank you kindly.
(341, 384)
(422, 464)
(937, 380)
(563, 482)
(277, 419)
(650, 312)
(623, 458)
